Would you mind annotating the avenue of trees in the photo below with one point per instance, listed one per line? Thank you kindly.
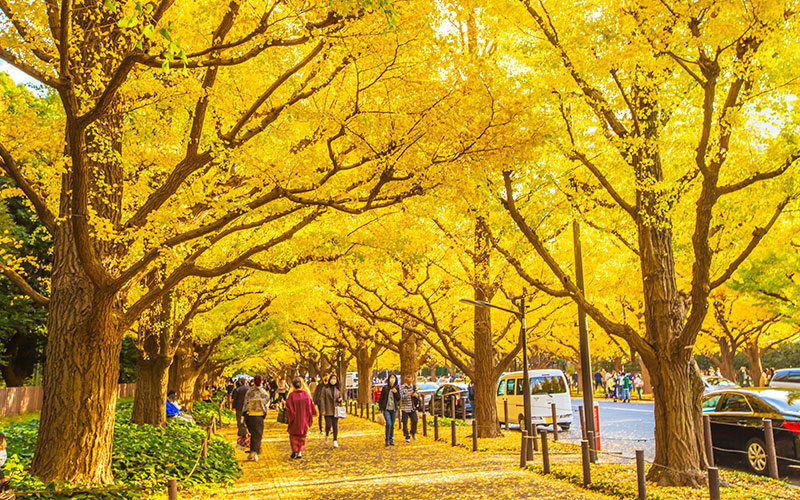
(304, 186)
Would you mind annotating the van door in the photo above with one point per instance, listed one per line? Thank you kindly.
(500, 399)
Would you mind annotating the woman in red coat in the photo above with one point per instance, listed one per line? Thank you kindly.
(300, 413)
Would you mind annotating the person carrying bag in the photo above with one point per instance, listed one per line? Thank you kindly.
(256, 403)
(329, 400)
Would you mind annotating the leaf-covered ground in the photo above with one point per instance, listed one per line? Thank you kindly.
(362, 468)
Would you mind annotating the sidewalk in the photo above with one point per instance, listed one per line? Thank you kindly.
(362, 468)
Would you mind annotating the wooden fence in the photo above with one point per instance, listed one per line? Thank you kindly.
(19, 400)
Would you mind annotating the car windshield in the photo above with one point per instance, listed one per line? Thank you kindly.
(785, 401)
(548, 384)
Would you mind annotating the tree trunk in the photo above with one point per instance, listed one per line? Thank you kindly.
(756, 368)
(80, 375)
(149, 400)
(483, 372)
(680, 458)
(183, 376)
(409, 359)
(364, 364)
(726, 355)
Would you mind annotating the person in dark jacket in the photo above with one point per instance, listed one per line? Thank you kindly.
(388, 403)
(237, 399)
(315, 397)
(330, 397)
(300, 413)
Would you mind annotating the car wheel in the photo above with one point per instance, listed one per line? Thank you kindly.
(564, 427)
(756, 455)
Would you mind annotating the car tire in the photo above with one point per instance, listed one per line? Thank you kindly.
(756, 452)
(564, 427)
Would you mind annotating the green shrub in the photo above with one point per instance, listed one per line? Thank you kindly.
(202, 413)
(143, 458)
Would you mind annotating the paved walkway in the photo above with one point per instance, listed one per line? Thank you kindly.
(362, 468)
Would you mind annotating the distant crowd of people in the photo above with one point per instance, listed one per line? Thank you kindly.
(618, 385)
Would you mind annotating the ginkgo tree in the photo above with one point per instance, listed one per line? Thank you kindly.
(660, 109)
(203, 134)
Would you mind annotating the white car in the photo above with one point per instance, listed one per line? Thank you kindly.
(788, 378)
(547, 387)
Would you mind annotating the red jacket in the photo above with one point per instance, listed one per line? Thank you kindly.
(300, 412)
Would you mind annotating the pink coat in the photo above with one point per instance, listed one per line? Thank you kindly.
(300, 411)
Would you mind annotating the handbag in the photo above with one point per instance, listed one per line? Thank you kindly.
(282, 418)
(340, 412)
(244, 441)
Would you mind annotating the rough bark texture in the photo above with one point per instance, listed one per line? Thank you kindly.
(80, 375)
(152, 373)
(409, 354)
(726, 355)
(756, 368)
(364, 363)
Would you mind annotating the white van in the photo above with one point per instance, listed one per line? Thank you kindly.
(547, 387)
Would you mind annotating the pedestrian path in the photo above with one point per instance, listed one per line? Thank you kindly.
(362, 468)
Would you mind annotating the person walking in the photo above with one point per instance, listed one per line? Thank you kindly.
(388, 404)
(273, 388)
(627, 385)
(409, 398)
(315, 395)
(330, 397)
(283, 389)
(237, 400)
(256, 403)
(638, 382)
(598, 381)
(300, 413)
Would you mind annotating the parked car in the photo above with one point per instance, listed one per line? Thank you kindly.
(715, 383)
(426, 390)
(788, 378)
(547, 387)
(446, 392)
(737, 424)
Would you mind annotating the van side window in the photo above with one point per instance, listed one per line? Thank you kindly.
(501, 388)
(519, 387)
(511, 384)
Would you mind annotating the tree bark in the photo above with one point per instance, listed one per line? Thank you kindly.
(80, 374)
(726, 355)
(756, 368)
(149, 401)
(409, 356)
(364, 363)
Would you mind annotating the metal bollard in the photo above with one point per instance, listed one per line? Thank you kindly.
(708, 441)
(769, 439)
(505, 411)
(436, 427)
(545, 454)
(523, 449)
(452, 433)
(642, 486)
(585, 460)
(553, 410)
(424, 424)
(583, 422)
(172, 489)
(593, 451)
(474, 435)
(713, 483)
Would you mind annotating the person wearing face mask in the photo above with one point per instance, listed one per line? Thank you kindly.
(329, 398)
(315, 396)
(388, 403)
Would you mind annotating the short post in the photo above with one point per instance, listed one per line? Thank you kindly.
(204, 449)
(523, 449)
(172, 489)
(553, 410)
(593, 454)
(219, 415)
(583, 422)
(707, 438)
(361, 410)
(453, 407)
(424, 423)
(214, 423)
(713, 483)
(769, 439)
(545, 454)
(452, 433)
(534, 432)
(436, 427)
(474, 435)
(464, 409)
(586, 461)
(505, 411)
(372, 406)
(642, 486)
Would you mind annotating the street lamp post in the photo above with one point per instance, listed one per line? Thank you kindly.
(526, 382)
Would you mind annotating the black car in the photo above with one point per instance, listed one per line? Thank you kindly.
(448, 392)
(737, 424)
